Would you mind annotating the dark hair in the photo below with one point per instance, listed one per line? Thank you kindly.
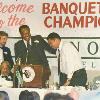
(36, 95)
(53, 35)
(2, 33)
(66, 97)
(23, 27)
(52, 96)
(4, 95)
(26, 95)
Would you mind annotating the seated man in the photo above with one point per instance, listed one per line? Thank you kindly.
(6, 76)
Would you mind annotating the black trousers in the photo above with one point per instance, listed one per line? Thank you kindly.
(63, 78)
(79, 78)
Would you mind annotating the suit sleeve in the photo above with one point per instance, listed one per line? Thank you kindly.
(16, 51)
(45, 45)
(10, 60)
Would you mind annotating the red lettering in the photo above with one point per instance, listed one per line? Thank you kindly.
(4, 9)
(67, 22)
(99, 21)
(11, 8)
(89, 19)
(15, 21)
(46, 22)
(54, 9)
(46, 9)
(84, 8)
(73, 7)
(91, 8)
(64, 8)
(59, 21)
(30, 9)
(77, 22)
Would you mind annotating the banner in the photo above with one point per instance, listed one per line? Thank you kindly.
(76, 21)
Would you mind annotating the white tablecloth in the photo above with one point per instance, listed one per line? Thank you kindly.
(14, 92)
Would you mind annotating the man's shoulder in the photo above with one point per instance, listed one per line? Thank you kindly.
(36, 36)
(6, 48)
(19, 42)
(67, 44)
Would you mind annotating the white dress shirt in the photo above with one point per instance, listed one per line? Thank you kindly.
(26, 42)
(70, 60)
(6, 83)
(1, 55)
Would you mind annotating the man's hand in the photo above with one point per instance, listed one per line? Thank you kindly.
(67, 82)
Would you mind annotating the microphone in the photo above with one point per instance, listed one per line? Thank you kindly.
(18, 61)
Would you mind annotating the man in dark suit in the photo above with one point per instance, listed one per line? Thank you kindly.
(31, 49)
(6, 50)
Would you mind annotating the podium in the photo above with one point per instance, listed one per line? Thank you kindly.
(34, 76)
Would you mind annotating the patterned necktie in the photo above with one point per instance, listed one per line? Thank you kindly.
(28, 46)
(28, 50)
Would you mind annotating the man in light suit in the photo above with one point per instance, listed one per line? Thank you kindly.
(71, 71)
(6, 51)
(31, 49)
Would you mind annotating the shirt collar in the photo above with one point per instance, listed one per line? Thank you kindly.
(60, 46)
(1, 46)
(26, 42)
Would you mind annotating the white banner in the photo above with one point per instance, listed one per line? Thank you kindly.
(69, 18)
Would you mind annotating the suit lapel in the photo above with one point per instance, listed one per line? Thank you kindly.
(23, 45)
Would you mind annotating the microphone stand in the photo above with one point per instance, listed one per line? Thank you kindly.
(19, 73)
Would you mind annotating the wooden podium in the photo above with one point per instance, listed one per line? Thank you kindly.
(41, 74)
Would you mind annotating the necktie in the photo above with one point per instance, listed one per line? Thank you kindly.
(59, 66)
(58, 62)
(28, 50)
(28, 46)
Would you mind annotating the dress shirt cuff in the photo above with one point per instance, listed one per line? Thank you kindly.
(69, 76)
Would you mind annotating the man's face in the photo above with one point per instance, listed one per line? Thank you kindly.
(5, 69)
(3, 40)
(25, 33)
(54, 43)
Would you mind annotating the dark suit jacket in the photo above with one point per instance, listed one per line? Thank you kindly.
(36, 54)
(7, 55)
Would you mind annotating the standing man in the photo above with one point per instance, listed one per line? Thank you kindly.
(71, 71)
(31, 49)
(6, 50)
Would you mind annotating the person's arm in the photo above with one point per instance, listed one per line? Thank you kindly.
(9, 58)
(66, 65)
(73, 61)
(45, 45)
(17, 51)
(67, 82)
